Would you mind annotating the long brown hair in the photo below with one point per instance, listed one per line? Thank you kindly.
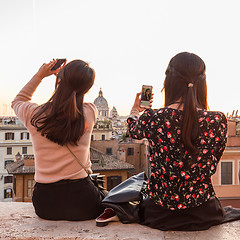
(186, 80)
(61, 119)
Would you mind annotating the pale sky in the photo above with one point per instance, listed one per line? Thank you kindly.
(127, 42)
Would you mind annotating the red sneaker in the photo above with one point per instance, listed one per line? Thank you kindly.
(107, 216)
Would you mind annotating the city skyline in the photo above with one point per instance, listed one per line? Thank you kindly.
(128, 43)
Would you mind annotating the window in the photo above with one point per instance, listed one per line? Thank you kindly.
(8, 193)
(9, 136)
(92, 137)
(238, 128)
(226, 173)
(109, 151)
(7, 162)
(103, 137)
(30, 186)
(9, 151)
(8, 179)
(113, 181)
(24, 136)
(130, 151)
(24, 150)
(95, 161)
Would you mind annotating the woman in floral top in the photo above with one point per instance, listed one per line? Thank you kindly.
(186, 143)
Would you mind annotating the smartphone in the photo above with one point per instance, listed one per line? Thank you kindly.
(59, 62)
(146, 96)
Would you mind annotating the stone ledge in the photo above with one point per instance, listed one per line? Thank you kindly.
(18, 221)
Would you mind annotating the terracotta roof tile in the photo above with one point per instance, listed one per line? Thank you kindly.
(100, 162)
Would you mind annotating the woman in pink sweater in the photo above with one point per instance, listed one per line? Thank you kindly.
(63, 190)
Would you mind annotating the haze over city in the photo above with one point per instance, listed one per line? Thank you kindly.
(128, 43)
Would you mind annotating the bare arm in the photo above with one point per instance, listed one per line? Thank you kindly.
(21, 103)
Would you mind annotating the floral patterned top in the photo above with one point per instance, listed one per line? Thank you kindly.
(171, 185)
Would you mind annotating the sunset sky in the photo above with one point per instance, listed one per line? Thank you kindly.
(127, 42)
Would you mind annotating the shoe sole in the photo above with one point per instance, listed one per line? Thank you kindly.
(101, 224)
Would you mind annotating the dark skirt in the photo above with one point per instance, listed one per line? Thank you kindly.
(192, 219)
(72, 200)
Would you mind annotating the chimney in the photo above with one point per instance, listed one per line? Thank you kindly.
(28, 160)
(18, 157)
(122, 154)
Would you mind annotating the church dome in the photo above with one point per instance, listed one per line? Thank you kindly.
(100, 101)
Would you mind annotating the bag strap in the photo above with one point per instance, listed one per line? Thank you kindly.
(78, 160)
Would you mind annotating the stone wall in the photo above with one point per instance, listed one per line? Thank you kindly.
(19, 221)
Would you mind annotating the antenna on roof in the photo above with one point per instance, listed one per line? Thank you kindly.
(4, 109)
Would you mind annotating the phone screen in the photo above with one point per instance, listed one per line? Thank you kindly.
(58, 63)
(146, 95)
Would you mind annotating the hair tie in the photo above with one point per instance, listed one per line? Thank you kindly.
(190, 85)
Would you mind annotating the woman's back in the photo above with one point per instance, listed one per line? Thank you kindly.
(53, 161)
(172, 183)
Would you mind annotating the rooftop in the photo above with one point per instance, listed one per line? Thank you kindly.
(18, 221)
(100, 162)
(100, 101)
(12, 127)
(107, 162)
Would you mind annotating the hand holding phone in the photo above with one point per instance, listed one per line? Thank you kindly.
(58, 64)
(146, 96)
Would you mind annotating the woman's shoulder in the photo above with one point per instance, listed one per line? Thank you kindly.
(161, 114)
(201, 112)
(172, 113)
(214, 121)
(213, 115)
(165, 112)
(90, 107)
(24, 111)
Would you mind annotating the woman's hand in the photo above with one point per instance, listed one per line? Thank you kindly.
(137, 102)
(60, 68)
(45, 69)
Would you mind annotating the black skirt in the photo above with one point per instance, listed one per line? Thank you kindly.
(72, 200)
(192, 219)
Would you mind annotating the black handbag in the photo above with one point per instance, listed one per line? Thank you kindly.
(96, 178)
(98, 181)
(126, 198)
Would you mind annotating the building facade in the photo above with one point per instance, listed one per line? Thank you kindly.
(108, 147)
(226, 180)
(108, 125)
(135, 152)
(102, 130)
(15, 142)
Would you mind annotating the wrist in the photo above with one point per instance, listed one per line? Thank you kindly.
(135, 109)
(39, 76)
(134, 112)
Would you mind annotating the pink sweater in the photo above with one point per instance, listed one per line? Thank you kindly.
(52, 161)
